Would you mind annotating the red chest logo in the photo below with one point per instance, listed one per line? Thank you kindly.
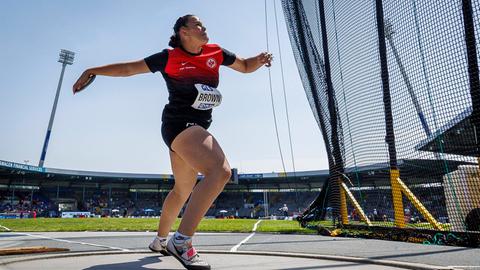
(211, 62)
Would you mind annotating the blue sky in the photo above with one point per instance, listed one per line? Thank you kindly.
(114, 125)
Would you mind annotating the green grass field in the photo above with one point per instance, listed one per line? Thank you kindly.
(207, 225)
(146, 224)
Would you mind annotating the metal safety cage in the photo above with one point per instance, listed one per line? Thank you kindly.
(394, 87)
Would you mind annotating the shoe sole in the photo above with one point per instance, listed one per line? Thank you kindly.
(163, 252)
(188, 267)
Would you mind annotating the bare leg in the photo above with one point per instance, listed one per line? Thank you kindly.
(200, 150)
(185, 180)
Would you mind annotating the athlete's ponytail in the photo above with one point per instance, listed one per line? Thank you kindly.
(174, 41)
(175, 38)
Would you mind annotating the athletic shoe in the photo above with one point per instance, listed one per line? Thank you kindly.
(159, 245)
(188, 256)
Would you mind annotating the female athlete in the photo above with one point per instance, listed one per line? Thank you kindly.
(190, 69)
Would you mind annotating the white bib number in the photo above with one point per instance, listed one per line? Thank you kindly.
(207, 98)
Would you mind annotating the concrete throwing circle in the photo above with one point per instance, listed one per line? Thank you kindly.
(127, 261)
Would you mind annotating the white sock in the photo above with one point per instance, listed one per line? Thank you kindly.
(161, 238)
(179, 239)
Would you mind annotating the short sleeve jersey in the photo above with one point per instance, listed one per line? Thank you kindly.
(181, 71)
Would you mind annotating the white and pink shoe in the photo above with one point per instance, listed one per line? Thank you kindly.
(187, 255)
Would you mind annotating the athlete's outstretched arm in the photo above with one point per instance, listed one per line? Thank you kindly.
(115, 70)
(253, 63)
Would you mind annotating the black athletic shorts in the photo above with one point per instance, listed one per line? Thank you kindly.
(171, 129)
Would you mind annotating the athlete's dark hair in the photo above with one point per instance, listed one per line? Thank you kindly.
(175, 38)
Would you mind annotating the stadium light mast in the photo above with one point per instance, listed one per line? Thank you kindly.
(66, 58)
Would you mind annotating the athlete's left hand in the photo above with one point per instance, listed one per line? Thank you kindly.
(265, 58)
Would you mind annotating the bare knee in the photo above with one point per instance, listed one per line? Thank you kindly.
(220, 174)
(226, 173)
(181, 193)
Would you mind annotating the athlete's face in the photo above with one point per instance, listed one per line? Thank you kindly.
(196, 30)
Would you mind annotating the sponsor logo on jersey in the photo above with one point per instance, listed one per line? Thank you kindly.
(186, 68)
(211, 63)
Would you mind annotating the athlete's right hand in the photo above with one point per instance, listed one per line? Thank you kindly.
(85, 79)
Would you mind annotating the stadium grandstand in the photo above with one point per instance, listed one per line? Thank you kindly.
(47, 192)
(27, 191)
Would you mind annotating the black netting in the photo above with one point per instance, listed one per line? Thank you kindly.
(421, 72)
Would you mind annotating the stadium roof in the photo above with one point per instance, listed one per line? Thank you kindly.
(9, 166)
(11, 172)
(457, 137)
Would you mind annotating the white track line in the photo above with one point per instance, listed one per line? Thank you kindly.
(234, 249)
(5, 228)
(68, 241)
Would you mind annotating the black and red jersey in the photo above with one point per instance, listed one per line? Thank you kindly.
(181, 71)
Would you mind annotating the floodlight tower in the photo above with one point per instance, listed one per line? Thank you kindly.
(389, 36)
(66, 58)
